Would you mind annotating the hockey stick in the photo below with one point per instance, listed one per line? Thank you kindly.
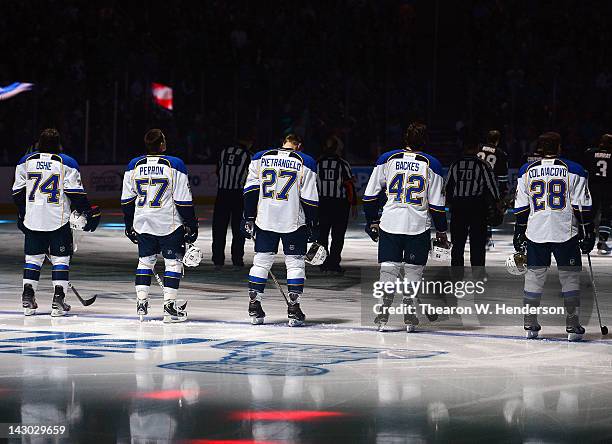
(604, 329)
(85, 302)
(279, 287)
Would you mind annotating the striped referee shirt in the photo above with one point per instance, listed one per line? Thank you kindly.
(332, 172)
(470, 177)
(233, 167)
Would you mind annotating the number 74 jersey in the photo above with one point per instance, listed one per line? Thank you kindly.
(549, 190)
(156, 185)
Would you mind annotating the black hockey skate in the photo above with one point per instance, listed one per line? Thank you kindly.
(255, 310)
(142, 308)
(294, 312)
(28, 300)
(410, 319)
(382, 319)
(531, 326)
(175, 311)
(573, 328)
(59, 307)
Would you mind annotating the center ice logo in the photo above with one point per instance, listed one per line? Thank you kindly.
(283, 359)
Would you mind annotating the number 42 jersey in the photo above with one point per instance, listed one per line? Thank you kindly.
(49, 180)
(156, 185)
(549, 191)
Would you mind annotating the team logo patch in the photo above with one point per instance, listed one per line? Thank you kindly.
(283, 359)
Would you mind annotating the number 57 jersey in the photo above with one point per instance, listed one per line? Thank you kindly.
(157, 185)
(549, 191)
(286, 182)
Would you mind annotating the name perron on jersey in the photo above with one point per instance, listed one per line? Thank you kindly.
(48, 180)
(550, 190)
(157, 184)
(414, 185)
(286, 180)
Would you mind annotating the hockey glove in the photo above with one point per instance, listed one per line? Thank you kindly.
(247, 227)
(312, 231)
(587, 238)
(131, 234)
(372, 230)
(520, 239)
(93, 218)
(191, 233)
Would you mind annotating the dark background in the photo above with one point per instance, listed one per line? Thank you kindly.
(355, 68)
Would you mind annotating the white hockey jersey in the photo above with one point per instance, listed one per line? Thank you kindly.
(157, 184)
(48, 179)
(414, 186)
(285, 179)
(549, 190)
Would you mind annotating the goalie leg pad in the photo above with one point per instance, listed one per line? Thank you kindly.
(172, 278)
(295, 273)
(144, 273)
(60, 271)
(258, 275)
(31, 269)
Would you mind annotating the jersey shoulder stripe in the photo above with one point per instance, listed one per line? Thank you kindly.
(134, 162)
(259, 154)
(67, 160)
(27, 157)
(176, 163)
(434, 164)
(384, 158)
(574, 168)
(308, 161)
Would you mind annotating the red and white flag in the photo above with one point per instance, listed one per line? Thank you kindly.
(162, 95)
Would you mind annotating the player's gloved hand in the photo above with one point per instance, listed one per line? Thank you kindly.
(131, 234)
(93, 218)
(587, 238)
(372, 230)
(442, 239)
(247, 227)
(519, 238)
(191, 233)
(312, 231)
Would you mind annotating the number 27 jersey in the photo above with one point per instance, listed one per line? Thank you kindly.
(156, 185)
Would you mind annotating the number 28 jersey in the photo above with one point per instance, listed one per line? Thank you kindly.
(550, 190)
(48, 179)
(285, 180)
(157, 185)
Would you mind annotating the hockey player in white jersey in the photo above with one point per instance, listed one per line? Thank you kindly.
(412, 184)
(280, 203)
(47, 186)
(553, 216)
(159, 217)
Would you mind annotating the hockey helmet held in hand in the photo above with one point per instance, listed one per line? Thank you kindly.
(77, 221)
(516, 264)
(316, 254)
(440, 251)
(193, 256)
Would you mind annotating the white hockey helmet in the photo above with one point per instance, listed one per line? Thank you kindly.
(440, 251)
(77, 221)
(193, 256)
(516, 264)
(316, 254)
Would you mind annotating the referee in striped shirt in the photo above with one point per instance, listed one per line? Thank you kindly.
(336, 196)
(470, 189)
(232, 169)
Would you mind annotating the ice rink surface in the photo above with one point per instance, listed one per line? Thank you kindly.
(217, 379)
